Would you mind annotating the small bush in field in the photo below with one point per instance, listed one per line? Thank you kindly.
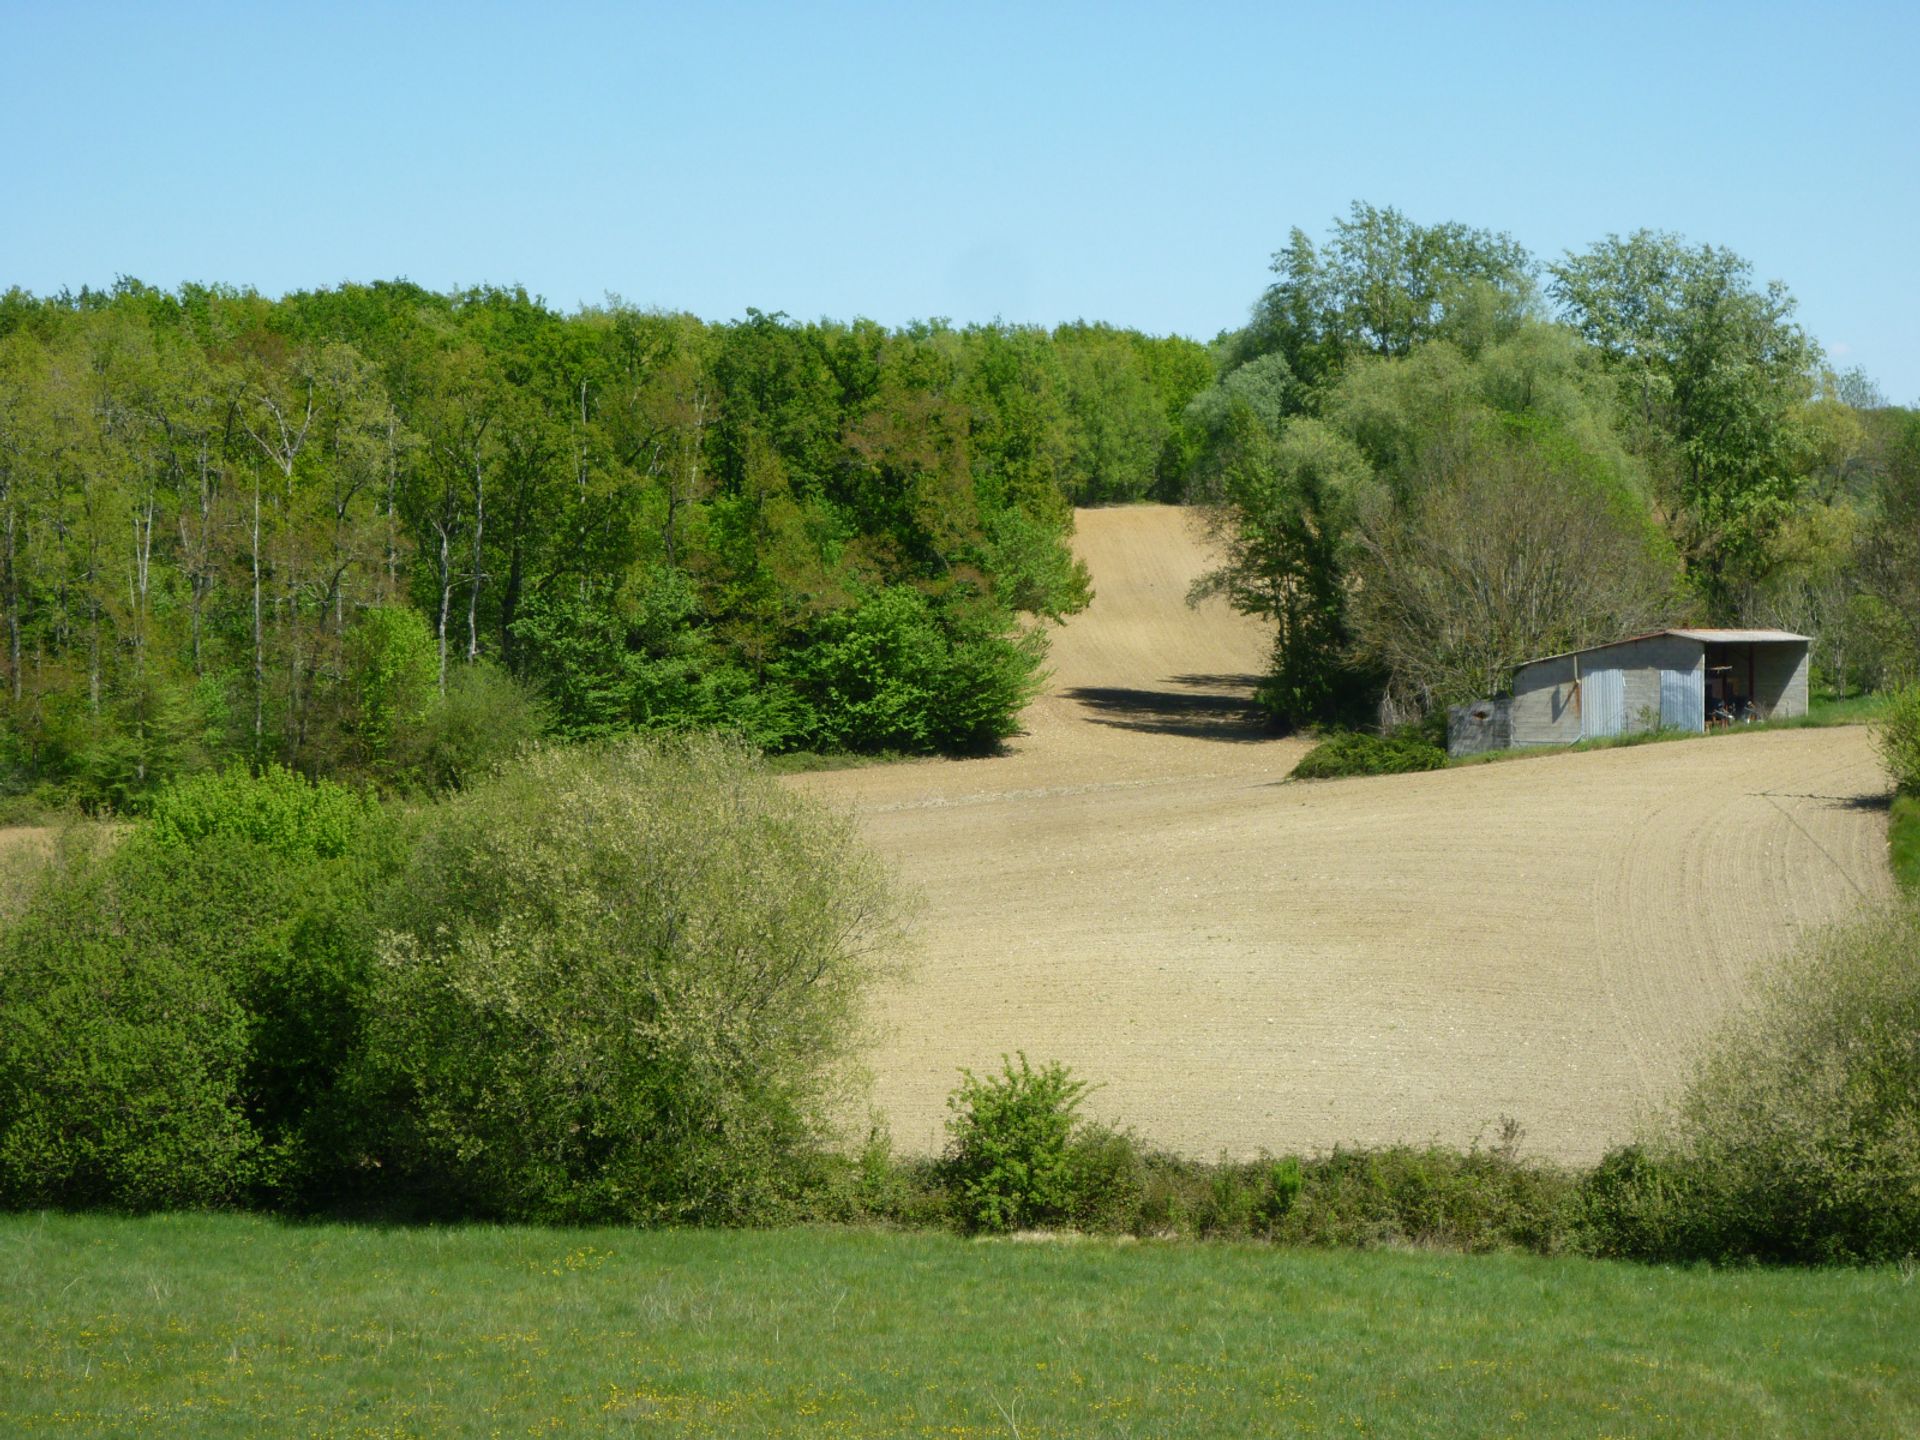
(1898, 737)
(1009, 1156)
(1354, 753)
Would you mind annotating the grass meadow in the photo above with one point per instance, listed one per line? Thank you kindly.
(215, 1326)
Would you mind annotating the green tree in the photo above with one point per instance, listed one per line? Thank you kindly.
(1382, 284)
(1715, 377)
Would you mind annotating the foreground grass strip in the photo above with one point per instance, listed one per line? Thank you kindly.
(232, 1326)
(1903, 842)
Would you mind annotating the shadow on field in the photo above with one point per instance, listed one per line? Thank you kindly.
(1197, 709)
(1879, 803)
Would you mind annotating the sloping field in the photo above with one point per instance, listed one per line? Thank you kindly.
(1252, 964)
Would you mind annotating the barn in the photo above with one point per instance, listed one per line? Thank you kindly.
(1689, 679)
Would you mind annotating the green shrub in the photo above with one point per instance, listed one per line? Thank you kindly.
(1353, 753)
(623, 982)
(123, 1052)
(1107, 1181)
(1903, 842)
(185, 1002)
(1798, 1137)
(392, 675)
(1898, 738)
(1009, 1157)
(483, 721)
(288, 814)
(898, 672)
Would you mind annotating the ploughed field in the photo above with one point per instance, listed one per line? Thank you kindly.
(1246, 963)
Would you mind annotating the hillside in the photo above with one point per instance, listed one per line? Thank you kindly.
(1247, 964)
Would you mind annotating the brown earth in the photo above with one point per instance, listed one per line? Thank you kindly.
(1249, 964)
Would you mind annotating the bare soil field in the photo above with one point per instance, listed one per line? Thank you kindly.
(1246, 963)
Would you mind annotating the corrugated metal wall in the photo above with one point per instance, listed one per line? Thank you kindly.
(1683, 699)
(1603, 702)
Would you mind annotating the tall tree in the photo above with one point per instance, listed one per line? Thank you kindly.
(1715, 376)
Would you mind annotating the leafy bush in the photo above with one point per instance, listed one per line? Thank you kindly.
(1903, 841)
(286, 813)
(898, 673)
(123, 1051)
(484, 720)
(392, 675)
(1898, 737)
(1798, 1138)
(623, 983)
(183, 1004)
(1009, 1160)
(1353, 753)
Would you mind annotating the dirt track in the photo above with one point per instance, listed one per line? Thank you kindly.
(1248, 964)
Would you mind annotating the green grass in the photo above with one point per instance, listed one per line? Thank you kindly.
(1903, 841)
(238, 1326)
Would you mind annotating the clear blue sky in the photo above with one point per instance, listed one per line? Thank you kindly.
(1037, 163)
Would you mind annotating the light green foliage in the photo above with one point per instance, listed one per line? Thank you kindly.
(1798, 1137)
(278, 810)
(1009, 1154)
(1383, 284)
(391, 675)
(1715, 379)
(1898, 738)
(182, 1001)
(624, 983)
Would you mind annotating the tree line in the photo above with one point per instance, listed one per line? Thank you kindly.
(385, 534)
(374, 531)
(1428, 456)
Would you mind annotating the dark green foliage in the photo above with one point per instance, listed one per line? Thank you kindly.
(1354, 753)
(899, 673)
(1903, 842)
(183, 1004)
(1010, 1162)
(123, 1052)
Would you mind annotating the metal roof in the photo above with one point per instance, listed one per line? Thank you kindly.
(1736, 637)
(1706, 636)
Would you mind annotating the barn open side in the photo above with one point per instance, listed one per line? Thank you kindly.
(1690, 679)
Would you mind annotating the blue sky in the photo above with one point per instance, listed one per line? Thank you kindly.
(1037, 163)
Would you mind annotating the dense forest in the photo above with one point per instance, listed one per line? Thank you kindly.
(386, 534)
(383, 533)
